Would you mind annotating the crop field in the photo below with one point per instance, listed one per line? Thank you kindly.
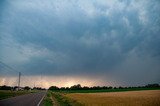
(128, 98)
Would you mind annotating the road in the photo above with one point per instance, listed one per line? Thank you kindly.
(33, 99)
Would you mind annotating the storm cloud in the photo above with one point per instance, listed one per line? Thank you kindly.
(118, 38)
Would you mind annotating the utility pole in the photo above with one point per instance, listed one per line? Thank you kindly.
(19, 80)
(41, 80)
(34, 84)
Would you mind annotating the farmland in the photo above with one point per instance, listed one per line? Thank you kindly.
(129, 98)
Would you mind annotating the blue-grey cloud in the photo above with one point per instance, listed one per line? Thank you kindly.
(92, 37)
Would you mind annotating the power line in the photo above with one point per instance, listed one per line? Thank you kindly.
(19, 80)
(6, 70)
(4, 64)
(19, 73)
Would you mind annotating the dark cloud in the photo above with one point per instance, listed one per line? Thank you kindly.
(81, 37)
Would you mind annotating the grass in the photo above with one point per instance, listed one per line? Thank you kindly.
(60, 99)
(134, 98)
(63, 100)
(47, 100)
(7, 93)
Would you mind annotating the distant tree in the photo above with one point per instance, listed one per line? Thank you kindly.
(4, 87)
(110, 87)
(85, 88)
(62, 88)
(38, 88)
(114, 88)
(15, 88)
(53, 88)
(120, 87)
(95, 87)
(152, 86)
(76, 87)
(34, 88)
(129, 87)
(67, 88)
(27, 88)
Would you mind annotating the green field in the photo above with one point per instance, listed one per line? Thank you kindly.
(7, 93)
(105, 90)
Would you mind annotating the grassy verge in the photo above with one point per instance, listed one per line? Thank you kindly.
(64, 101)
(47, 100)
(7, 93)
(106, 90)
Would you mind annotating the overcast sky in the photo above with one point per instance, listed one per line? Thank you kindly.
(116, 41)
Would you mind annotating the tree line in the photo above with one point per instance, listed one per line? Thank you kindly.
(79, 87)
(5, 87)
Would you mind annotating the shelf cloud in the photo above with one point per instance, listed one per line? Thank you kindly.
(92, 38)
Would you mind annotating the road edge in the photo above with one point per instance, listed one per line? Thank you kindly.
(41, 100)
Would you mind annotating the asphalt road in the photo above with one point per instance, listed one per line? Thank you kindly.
(33, 99)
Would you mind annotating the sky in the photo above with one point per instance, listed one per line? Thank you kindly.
(91, 42)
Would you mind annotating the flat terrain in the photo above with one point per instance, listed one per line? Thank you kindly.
(31, 99)
(128, 98)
